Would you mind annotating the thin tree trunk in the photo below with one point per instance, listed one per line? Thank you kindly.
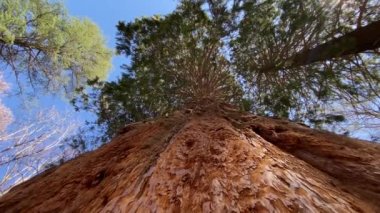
(357, 41)
(360, 40)
(214, 159)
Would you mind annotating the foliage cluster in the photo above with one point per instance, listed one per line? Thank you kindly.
(239, 52)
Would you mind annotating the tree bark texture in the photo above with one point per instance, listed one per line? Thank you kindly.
(214, 159)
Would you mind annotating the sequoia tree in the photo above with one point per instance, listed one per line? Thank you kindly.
(200, 119)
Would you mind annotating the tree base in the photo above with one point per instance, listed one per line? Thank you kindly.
(211, 161)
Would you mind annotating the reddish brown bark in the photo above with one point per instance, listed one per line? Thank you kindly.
(211, 160)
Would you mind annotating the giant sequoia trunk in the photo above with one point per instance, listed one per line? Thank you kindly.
(213, 159)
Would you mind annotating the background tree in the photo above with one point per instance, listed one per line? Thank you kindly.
(5, 113)
(266, 45)
(49, 48)
(33, 145)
